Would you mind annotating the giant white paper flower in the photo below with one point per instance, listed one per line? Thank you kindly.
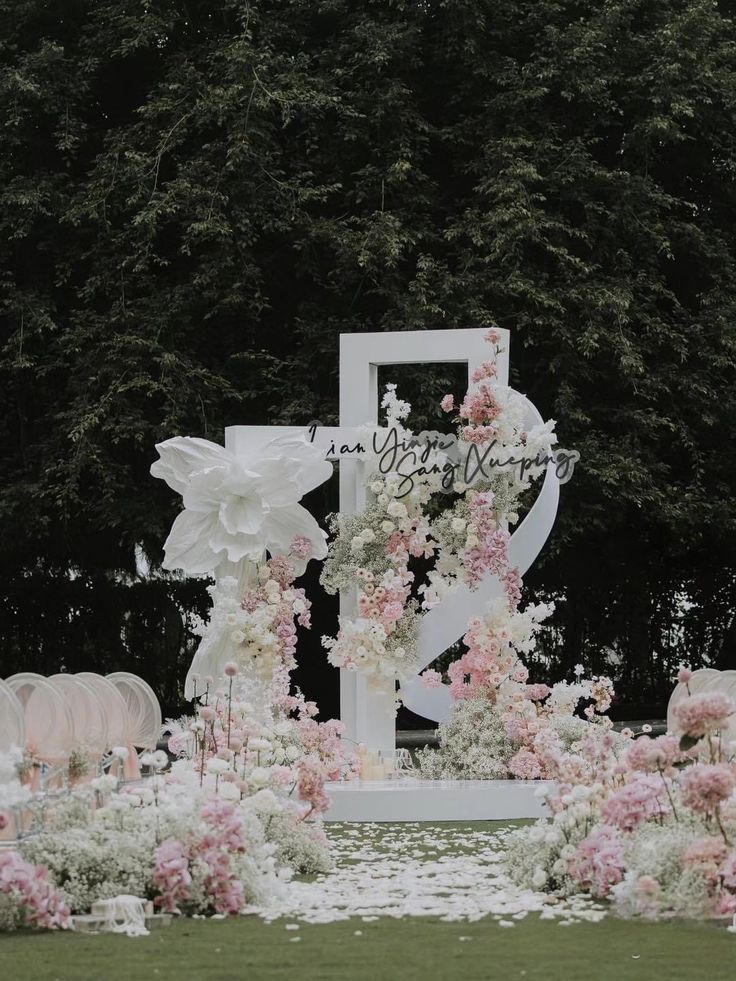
(236, 509)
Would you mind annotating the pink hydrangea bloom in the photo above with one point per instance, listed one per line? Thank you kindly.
(706, 855)
(537, 693)
(700, 714)
(642, 799)
(706, 785)
(448, 403)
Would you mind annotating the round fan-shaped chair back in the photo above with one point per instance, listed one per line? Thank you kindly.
(114, 708)
(12, 720)
(143, 707)
(49, 727)
(90, 724)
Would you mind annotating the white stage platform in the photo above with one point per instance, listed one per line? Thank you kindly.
(435, 800)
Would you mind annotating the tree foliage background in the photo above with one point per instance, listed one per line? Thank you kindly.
(197, 198)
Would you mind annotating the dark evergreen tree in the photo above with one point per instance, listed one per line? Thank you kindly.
(198, 197)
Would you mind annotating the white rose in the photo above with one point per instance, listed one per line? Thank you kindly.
(458, 524)
(397, 510)
(357, 544)
(368, 535)
(383, 500)
(376, 486)
(471, 541)
(387, 527)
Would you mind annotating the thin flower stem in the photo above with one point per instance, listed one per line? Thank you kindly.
(720, 825)
(229, 711)
(669, 795)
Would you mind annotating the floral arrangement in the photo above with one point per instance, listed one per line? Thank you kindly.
(373, 551)
(27, 896)
(114, 848)
(648, 823)
(237, 812)
(255, 625)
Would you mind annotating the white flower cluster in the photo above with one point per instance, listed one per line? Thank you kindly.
(249, 634)
(98, 854)
(474, 745)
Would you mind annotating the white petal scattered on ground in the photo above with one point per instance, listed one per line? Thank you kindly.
(384, 872)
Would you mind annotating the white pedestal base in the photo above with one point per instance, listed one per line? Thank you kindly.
(435, 800)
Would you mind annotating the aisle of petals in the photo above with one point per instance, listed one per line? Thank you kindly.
(449, 872)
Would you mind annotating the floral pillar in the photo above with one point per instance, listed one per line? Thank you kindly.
(369, 713)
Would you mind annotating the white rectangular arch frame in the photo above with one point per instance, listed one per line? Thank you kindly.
(369, 716)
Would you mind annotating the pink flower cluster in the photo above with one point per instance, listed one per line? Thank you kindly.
(643, 798)
(706, 713)
(414, 540)
(171, 875)
(707, 785)
(211, 851)
(658, 755)
(525, 765)
(386, 602)
(486, 664)
(311, 785)
(431, 678)
(490, 554)
(598, 862)
(38, 902)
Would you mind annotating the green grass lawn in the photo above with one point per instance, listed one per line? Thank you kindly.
(414, 949)
(410, 950)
